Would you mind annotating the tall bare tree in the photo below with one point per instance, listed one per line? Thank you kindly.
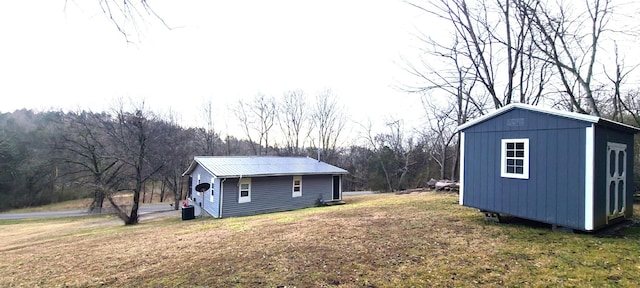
(329, 121)
(441, 136)
(530, 49)
(178, 147)
(294, 120)
(135, 135)
(208, 135)
(393, 150)
(257, 118)
(619, 106)
(571, 41)
(83, 145)
(490, 45)
(376, 144)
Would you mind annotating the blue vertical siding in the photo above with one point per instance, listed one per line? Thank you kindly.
(554, 192)
(269, 194)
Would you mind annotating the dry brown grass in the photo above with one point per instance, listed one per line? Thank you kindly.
(420, 239)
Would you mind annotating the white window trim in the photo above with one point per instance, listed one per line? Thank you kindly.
(211, 195)
(503, 159)
(461, 188)
(589, 177)
(245, 199)
(293, 192)
(194, 187)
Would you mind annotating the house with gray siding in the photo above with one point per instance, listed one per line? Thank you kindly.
(567, 169)
(247, 185)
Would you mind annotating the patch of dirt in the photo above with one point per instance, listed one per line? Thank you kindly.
(615, 230)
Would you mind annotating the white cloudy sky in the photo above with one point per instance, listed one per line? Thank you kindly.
(73, 57)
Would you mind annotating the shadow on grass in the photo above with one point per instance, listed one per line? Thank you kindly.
(628, 228)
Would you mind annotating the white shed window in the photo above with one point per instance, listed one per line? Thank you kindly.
(297, 186)
(244, 190)
(515, 158)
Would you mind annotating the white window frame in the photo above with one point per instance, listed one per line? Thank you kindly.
(295, 193)
(211, 195)
(244, 199)
(504, 158)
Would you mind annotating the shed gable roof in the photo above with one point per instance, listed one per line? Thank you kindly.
(559, 113)
(254, 166)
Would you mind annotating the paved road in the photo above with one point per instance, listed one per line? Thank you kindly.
(145, 209)
(356, 193)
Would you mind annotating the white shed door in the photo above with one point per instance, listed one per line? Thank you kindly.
(616, 180)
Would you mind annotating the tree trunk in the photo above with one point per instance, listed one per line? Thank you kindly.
(443, 167)
(162, 187)
(144, 193)
(176, 187)
(133, 217)
(456, 161)
(98, 201)
(153, 188)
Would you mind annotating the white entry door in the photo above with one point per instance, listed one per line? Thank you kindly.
(616, 180)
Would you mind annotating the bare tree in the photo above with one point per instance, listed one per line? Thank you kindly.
(621, 106)
(294, 120)
(329, 121)
(127, 16)
(441, 136)
(83, 145)
(529, 48)
(377, 145)
(569, 46)
(208, 136)
(394, 152)
(490, 46)
(135, 135)
(179, 146)
(257, 118)
(471, 41)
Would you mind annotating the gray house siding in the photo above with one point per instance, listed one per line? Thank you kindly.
(204, 199)
(554, 192)
(603, 135)
(269, 194)
(204, 176)
(213, 207)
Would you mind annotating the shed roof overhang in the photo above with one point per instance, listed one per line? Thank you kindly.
(559, 113)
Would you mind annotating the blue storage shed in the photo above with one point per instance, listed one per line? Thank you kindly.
(247, 185)
(566, 169)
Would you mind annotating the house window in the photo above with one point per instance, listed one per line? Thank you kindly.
(244, 190)
(199, 193)
(212, 194)
(515, 158)
(297, 186)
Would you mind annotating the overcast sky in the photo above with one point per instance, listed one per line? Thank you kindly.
(52, 57)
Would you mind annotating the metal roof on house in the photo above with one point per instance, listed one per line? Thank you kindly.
(254, 166)
(566, 114)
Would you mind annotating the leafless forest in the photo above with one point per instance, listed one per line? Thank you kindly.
(571, 55)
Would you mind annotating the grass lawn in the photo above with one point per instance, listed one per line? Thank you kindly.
(382, 240)
(83, 204)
